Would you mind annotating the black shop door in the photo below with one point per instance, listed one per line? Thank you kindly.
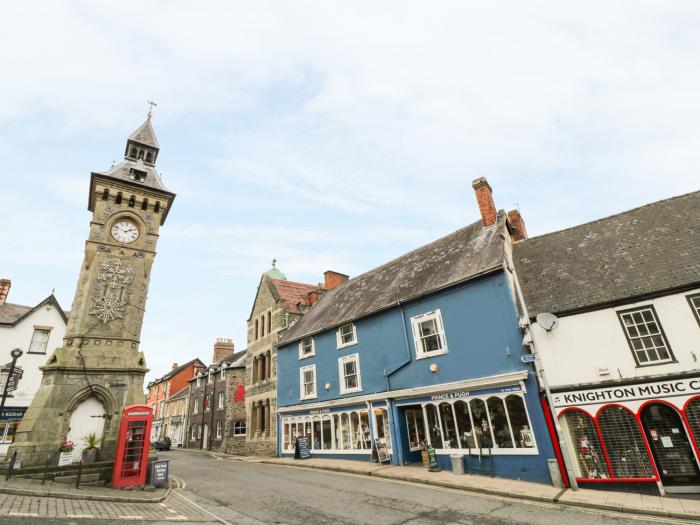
(670, 446)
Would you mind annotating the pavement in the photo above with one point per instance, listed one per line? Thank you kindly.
(217, 488)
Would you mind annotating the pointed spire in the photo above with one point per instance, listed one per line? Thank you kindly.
(145, 135)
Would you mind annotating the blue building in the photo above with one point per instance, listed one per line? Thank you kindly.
(425, 349)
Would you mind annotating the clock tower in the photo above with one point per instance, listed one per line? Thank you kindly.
(100, 368)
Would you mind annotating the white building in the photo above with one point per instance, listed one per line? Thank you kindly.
(623, 361)
(37, 331)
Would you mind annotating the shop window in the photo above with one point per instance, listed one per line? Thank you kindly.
(499, 423)
(416, 429)
(692, 412)
(7, 432)
(694, 301)
(308, 382)
(464, 425)
(482, 428)
(40, 339)
(449, 429)
(336, 431)
(346, 431)
(381, 419)
(519, 423)
(645, 336)
(316, 434)
(346, 335)
(350, 374)
(306, 347)
(429, 334)
(579, 430)
(326, 434)
(434, 426)
(624, 443)
(363, 437)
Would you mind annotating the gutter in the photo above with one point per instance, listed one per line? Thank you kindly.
(406, 345)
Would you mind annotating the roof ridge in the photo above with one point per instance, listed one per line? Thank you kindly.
(607, 217)
(287, 281)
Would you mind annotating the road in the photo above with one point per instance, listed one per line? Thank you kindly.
(225, 491)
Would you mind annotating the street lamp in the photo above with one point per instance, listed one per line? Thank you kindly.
(16, 354)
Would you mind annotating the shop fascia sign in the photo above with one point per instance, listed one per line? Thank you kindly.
(661, 389)
(461, 395)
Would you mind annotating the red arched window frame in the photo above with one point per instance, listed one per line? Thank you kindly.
(688, 428)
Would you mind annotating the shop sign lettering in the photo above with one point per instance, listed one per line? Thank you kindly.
(679, 387)
(459, 395)
(319, 411)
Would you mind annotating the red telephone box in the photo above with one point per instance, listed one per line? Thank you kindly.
(131, 460)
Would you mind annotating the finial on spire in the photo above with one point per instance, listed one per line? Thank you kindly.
(150, 109)
(274, 263)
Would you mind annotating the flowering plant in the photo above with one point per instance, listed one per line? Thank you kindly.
(66, 446)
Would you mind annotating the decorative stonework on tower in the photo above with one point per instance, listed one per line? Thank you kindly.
(100, 369)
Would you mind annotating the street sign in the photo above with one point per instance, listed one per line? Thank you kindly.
(528, 358)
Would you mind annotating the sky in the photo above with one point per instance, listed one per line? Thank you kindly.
(330, 135)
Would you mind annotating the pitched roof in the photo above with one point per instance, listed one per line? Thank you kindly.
(292, 293)
(639, 252)
(236, 360)
(12, 314)
(145, 135)
(457, 257)
(179, 394)
(122, 171)
(177, 370)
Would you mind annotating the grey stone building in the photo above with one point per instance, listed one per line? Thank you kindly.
(278, 303)
(100, 368)
(214, 394)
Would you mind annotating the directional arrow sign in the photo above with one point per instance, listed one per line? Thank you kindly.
(528, 358)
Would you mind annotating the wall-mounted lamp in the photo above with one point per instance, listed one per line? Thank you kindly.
(328, 386)
(434, 368)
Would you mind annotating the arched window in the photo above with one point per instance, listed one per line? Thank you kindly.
(118, 199)
(363, 430)
(140, 154)
(345, 431)
(269, 322)
(624, 443)
(219, 429)
(434, 426)
(482, 428)
(336, 431)
(326, 434)
(132, 201)
(156, 208)
(262, 325)
(256, 330)
(105, 194)
(199, 431)
(221, 400)
(582, 438)
(499, 423)
(316, 434)
(194, 432)
(519, 423)
(464, 425)
(692, 412)
(449, 430)
(144, 204)
(149, 156)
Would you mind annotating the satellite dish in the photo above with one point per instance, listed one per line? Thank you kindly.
(547, 321)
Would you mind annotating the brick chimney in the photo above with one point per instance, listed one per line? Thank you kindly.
(333, 279)
(484, 198)
(313, 296)
(5, 285)
(222, 348)
(517, 225)
(174, 366)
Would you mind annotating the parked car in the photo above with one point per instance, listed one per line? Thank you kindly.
(162, 443)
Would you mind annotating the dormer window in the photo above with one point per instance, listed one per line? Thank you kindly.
(137, 175)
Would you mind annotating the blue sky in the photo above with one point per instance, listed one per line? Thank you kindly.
(330, 135)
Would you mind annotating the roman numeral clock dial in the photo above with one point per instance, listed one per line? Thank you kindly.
(125, 232)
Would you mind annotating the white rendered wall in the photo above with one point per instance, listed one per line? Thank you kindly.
(20, 336)
(572, 353)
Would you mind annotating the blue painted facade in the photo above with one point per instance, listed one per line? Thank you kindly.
(484, 346)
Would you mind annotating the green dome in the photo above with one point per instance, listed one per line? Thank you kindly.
(274, 272)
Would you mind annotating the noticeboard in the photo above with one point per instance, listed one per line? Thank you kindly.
(159, 473)
(380, 452)
(301, 448)
(434, 466)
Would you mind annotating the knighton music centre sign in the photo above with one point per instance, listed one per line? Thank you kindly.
(642, 391)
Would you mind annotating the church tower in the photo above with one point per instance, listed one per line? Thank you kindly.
(100, 369)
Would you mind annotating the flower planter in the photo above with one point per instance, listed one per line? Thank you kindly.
(89, 456)
(65, 458)
(425, 458)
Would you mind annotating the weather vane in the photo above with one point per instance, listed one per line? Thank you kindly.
(150, 109)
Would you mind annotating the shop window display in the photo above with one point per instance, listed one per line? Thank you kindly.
(624, 443)
(692, 412)
(434, 426)
(449, 429)
(416, 429)
(499, 423)
(580, 429)
(519, 422)
(482, 428)
(464, 425)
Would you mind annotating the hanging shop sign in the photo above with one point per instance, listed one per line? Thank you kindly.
(672, 388)
(301, 448)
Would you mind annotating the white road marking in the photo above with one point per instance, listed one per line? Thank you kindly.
(130, 517)
(24, 514)
(80, 516)
(217, 518)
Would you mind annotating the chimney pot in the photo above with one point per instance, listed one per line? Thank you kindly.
(333, 279)
(5, 285)
(517, 225)
(174, 366)
(484, 198)
(222, 348)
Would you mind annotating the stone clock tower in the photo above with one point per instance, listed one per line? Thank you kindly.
(100, 369)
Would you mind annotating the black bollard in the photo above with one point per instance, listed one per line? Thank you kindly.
(12, 465)
(80, 473)
(46, 470)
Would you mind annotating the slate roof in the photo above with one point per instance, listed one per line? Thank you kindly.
(145, 135)
(122, 171)
(179, 395)
(11, 314)
(460, 256)
(639, 252)
(292, 293)
(176, 371)
(236, 360)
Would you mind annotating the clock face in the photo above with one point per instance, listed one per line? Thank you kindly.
(125, 231)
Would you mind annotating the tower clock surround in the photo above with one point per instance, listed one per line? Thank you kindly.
(100, 368)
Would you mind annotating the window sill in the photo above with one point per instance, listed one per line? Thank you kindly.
(308, 397)
(306, 356)
(36, 353)
(351, 391)
(347, 345)
(646, 365)
(432, 354)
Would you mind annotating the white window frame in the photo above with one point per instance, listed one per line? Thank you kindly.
(219, 429)
(220, 400)
(341, 373)
(44, 344)
(301, 348)
(417, 341)
(239, 428)
(223, 373)
(210, 378)
(301, 382)
(339, 337)
(195, 408)
(198, 381)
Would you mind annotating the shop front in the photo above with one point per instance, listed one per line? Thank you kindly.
(635, 434)
(9, 420)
